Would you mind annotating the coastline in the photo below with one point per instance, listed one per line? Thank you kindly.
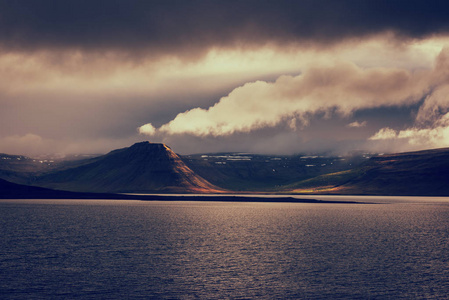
(63, 195)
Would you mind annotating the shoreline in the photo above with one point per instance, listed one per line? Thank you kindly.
(54, 195)
(11, 191)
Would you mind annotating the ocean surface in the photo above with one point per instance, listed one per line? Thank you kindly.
(392, 248)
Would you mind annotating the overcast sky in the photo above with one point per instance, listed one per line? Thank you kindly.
(277, 77)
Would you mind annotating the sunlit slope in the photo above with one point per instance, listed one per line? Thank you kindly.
(143, 167)
(412, 173)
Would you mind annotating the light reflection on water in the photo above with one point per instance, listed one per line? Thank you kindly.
(131, 249)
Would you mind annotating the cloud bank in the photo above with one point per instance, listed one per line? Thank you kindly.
(341, 89)
(205, 75)
(431, 128)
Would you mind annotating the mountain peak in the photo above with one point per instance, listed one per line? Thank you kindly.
(146, 151)
(146, 145)
(149, 145)
(143, 167)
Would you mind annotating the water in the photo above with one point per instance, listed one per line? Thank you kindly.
(101, 249)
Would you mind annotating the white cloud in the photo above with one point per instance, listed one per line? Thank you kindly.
(147, 129)
(435, 136)
(357, 124)
(436, 104)
(431, 128)
(384, 134)
(343, 87)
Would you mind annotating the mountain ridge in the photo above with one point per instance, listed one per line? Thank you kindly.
(154, 168)
(142, 168)
(417, 173)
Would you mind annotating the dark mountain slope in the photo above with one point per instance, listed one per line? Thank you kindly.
(12, 190)
(143, 167)
(23, 170)
(256, 172)
(19, 168)
(412, 173)
(9, 190)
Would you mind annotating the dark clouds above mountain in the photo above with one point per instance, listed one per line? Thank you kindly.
(177, 26)
(260, 76)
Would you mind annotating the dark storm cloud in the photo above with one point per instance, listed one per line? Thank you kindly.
(176, 26)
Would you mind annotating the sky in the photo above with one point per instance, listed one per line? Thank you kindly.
(274, 77)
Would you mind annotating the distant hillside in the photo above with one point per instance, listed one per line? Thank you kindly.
(412, 173)
(155, 168)
(142, 168)
(19, 168)
(256, 172)
(23, 170)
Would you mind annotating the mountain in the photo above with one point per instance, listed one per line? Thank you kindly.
(265, 173)
(421, 173)
(18, 168)
(154, 168)
(142, 168)
(23, 170)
